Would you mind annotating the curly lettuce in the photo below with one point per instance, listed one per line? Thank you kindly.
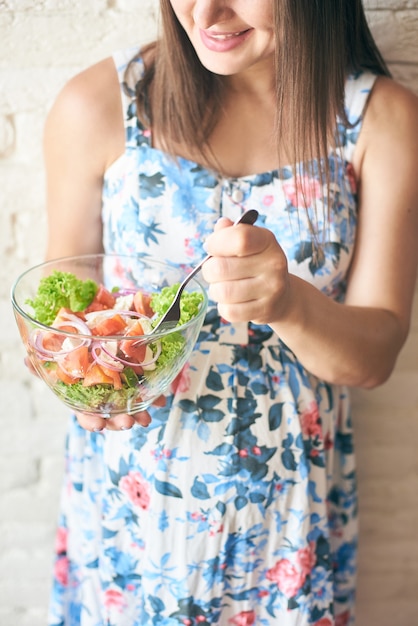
(189, 302)
(100, 396)
(61, 289)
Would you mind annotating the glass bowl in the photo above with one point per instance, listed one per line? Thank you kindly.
(90, 341)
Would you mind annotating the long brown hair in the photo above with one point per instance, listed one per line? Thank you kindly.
(320, 42)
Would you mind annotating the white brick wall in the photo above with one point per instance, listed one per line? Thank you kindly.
(43, 43)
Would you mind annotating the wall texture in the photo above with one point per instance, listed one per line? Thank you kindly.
(42, 44)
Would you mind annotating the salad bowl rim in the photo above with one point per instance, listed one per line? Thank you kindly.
(145, 337)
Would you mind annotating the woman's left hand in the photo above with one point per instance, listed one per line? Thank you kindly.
(247, 274)
(95, 423)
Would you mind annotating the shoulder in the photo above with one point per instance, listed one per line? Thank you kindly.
(390, 121)
(88, 110)
(91, 91)
(389, 98)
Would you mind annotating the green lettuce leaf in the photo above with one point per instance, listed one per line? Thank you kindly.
(189, 302)
(61, 289)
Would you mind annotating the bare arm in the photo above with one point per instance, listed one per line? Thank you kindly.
(84, 134)
(355, 343)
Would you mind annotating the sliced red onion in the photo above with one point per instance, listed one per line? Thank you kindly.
(128, 291)
(68, 319)
(112, 362)
(36, 339)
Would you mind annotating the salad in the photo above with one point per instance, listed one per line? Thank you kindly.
(95, 350)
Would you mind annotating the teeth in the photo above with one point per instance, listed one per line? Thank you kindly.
(228, 36)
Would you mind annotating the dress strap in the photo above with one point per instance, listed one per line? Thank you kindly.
(130, 69)
(357, 91)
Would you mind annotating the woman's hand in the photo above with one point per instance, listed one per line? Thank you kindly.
(248, 273)
(95, 423)
(123, 421)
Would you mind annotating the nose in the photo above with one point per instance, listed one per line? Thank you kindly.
(207, 13)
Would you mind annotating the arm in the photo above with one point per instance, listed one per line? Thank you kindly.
(84, 134)
(355, 343)
(81, 140)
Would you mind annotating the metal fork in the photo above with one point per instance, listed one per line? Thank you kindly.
(171, 317)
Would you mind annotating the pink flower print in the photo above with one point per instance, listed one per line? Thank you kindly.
(119, 271)
(181, 382)
(61, 540)
(342, 619)
(311, 422)
(188, 248)
(306, 559)
(268, 200)
(324, 621)
(114, 599)
(61, 568)
(328, 443)
(136, 488)
(351, 176)
(215, 527)
(288, 578)
(302, 191)
(244, 618)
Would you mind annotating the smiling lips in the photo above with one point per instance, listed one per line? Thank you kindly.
(222, 36)
(223, 42)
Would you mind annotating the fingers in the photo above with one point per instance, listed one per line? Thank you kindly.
(239, 240)
(30, 367)
(223, 222)
(96, 424)
(247, 273)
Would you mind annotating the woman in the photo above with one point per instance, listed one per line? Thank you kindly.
(237, 504)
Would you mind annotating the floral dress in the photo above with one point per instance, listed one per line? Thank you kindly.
(237, 505)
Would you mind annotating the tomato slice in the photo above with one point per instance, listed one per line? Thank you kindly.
(65, 378)
(130, 347)
(114, 325)
(96, 375)
(52, 341)
(63, 323)
(95, 306)
(142, 304)
(115, 376)
(102, 300)
(105, 297)
(76, 362)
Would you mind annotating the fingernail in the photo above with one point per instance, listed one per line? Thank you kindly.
(98, 430)
(124, 428)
